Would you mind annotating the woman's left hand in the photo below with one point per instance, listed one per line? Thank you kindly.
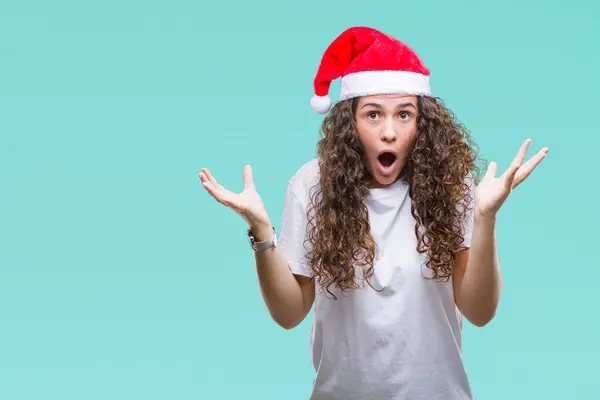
(491, 192)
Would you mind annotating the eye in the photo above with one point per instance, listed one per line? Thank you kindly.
(404, 115)
(372, 115)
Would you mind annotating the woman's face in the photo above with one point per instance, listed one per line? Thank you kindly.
(387, 126)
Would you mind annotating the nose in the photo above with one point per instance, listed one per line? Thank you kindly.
(388, 132)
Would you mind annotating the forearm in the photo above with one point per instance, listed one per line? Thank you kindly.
(281, 291)
(481, 284)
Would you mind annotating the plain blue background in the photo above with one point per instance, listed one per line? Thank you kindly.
(122, 279)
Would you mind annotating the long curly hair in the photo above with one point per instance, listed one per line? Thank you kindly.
(442, 155)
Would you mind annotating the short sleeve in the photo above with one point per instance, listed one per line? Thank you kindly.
(469, 220)
(292, 233)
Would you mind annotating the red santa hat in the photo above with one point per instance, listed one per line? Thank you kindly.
(369, 62)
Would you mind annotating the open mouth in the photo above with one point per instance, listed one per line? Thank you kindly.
(386, 159)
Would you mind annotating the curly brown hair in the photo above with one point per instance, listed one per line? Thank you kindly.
(442, 155)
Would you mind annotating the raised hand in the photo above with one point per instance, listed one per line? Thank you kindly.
(491, 192)
(247, 204)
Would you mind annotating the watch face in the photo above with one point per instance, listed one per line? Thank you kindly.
(275, 240)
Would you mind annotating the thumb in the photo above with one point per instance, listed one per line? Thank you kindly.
(491, 170)
(248, 182)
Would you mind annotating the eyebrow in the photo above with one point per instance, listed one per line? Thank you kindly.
(379, 106)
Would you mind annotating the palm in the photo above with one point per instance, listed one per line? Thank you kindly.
(492, 191)
(248, 204)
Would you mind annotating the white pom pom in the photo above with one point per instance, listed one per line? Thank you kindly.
(320, 104)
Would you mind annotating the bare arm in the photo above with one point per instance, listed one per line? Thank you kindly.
(477, 276)
(288, 297)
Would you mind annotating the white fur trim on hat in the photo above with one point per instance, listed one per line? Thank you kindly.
(367, 83)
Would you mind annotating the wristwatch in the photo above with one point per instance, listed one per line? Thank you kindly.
(265, 244)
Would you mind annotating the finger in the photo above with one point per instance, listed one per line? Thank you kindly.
(248, 182)
(203, 177)
(211, 178)
(520, 157)
(510, 175)
(210, 188)
(529, 166)
(223, 196)
(213, 190)
(491, 170)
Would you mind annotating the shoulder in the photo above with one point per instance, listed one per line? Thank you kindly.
(471, 180)
(471, 183)
(305, 179)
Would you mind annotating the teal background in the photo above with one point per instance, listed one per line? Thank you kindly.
(122, 279)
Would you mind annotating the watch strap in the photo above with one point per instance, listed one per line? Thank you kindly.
(262, 245)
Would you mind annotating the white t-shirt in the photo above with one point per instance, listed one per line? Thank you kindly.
(402, 341)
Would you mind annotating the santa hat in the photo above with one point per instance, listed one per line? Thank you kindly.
(369, 62)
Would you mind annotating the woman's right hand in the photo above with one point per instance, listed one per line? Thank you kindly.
(247, 204)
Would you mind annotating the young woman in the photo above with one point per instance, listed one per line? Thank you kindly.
(385, 232)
